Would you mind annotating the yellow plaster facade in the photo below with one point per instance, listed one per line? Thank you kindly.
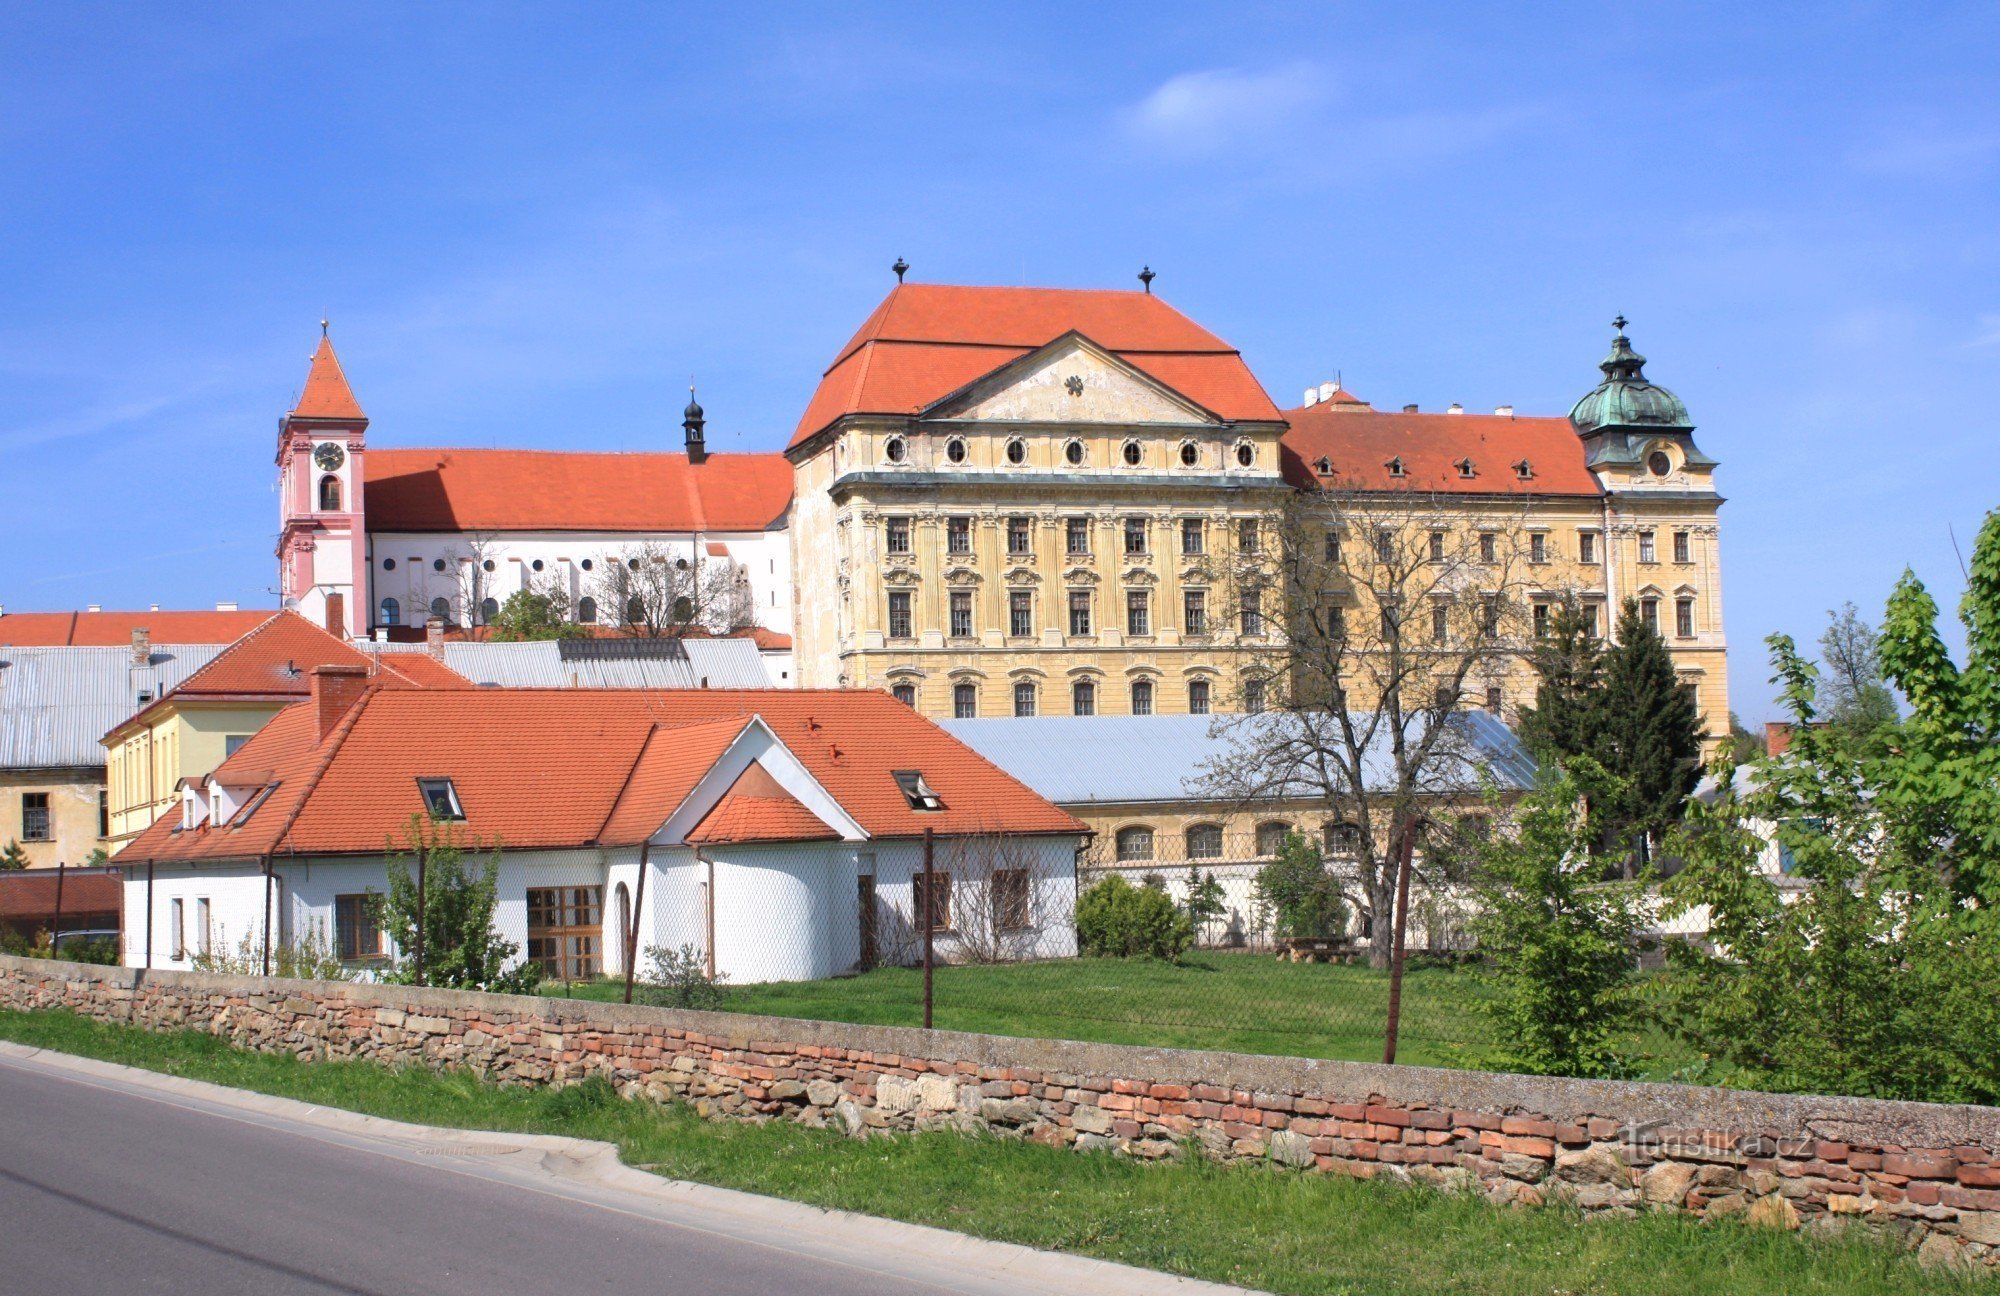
(151, 753)
(53, 813)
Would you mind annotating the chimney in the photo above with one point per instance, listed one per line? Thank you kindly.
(225, 607)
(1504, 411)
(335, 690)
(1455, 408)
(142, 647)
(434, 637)
(95, 607)
(1777, 737)
(1410, 409)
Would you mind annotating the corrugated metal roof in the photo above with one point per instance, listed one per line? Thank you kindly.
(55, 703)
(706, 663)
(1074, 760)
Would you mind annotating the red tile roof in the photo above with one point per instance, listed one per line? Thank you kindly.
(110, 629)
(757, 808)
(552, 490)
(1360, 442)
(32, 895)
(554, 768)
(327, 395)
(926, 341)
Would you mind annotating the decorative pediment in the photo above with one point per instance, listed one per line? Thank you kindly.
(1019, 575)
(1080, 575)
(960, 574)
(1071, 380)
(899, 574)
(1140, 576)
(1196, 574)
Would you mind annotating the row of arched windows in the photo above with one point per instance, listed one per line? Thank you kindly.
(1204, 841)
(390, 613)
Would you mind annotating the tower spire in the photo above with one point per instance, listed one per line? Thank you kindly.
(327, 395)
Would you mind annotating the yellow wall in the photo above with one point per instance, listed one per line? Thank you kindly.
(151, 755)
(73, 818)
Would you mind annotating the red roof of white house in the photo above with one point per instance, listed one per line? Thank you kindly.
(326, 394)
(555, 490)
(757, 808)
(926, 341)
(555, 768)
(110, 629)
(1358, 445)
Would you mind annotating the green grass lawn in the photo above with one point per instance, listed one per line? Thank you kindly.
(1246, 1003)
(1277, 1230)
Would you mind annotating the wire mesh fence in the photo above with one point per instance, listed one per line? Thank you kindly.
(1212, 940)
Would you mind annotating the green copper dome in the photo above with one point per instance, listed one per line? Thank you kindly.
(1625, 399)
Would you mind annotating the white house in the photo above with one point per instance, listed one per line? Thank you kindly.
(777, 834)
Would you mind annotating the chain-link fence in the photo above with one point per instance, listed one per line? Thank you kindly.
(1249, 942)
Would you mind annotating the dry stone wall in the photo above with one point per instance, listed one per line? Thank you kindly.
(1928, 1173)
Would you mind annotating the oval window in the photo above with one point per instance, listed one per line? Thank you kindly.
(437, 564)
(1660, 463)
(1073, 452)
(1132, 454)
(954, 449)
(1189, 454)
(897, 449)
(1246, 454)
(1017, 451)
(388, 564)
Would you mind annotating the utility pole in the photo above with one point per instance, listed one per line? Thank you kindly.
(929, 918)
(1405, 842)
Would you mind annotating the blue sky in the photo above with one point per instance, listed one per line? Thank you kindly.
(531, 224)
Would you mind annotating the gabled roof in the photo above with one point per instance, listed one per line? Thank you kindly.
(555, 490)
(573, 768)
(1360, 443)
(327, 395)
(757, 808)
(108, 629)
(926, 341)
(56, 703)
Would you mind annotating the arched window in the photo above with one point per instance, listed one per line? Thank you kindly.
(1024, 698)
(489, 610)
(329, 494)
(392, 612)
(635, 611)
(1204, 842)
(904, 692)
(1197, 697)
(1142, 697)
(683, 610)
(441, 610)
(1135, 844)
(964, 701)
(1271, 837)
(1083, 698)
(586, 610)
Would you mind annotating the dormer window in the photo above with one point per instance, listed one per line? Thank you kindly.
(1466, 470)
(1323, 466)
(440, 798)
(1524, 470)
(1396, 468)
(920, 795)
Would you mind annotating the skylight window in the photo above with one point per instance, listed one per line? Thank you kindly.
(263, 794)
(918, 793)
(440, 798)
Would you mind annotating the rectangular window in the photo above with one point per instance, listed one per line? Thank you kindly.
(35, 817)
(1076, 535)
(1649, 613)
(1194, 538)
(1646, 553)
(1333, 546)
(1590, 620)
(1079, 612)
(1020, 613)
(1010, 899)
(231, 743)
(1489, 547)
(1336, 622)
(899, 614)
(1246, 535)
(177, 927)
(1135, 535)
(1493, 700)
(1684, 618)
(1138, 613)
(1440, 622)
(1385, 546)
(1024, 698)
(1437, 546)
(958, 535)
(1541, 620)
(899, 535)
(964, 701)
(1586, 546)
(1682, 550)
(1194, 612)
(1250, 613)
(1017, 535)
(204, 926)
(961, 614)
(1392, 621)
(103, 812)
(357, 935)
(930, 900)
(1489, 615)
(1538, 547)
(440, 798)
(566, 931)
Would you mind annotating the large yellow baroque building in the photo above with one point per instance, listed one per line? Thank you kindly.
(1015, 501)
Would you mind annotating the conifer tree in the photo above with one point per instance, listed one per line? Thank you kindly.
(13, 857)
(1648, 740)
(1565, 720)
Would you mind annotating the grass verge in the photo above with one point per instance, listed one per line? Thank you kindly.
(1280, 1231)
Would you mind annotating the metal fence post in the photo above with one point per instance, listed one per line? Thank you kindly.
(149, 915)
(929, 919)
(55, 933)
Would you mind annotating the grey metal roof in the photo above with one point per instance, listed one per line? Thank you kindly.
(1074, 760)
(55, 703)
(705, 663)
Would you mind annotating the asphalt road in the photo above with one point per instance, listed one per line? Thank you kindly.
(107, 1187)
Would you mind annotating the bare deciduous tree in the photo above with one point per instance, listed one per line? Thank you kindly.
(657, 591)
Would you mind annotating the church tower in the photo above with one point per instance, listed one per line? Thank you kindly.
(322, 543)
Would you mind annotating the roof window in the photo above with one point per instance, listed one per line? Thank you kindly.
(440, 798)
(1396, 468)
(1524, 470)
(918, 793)
(1323, 465)
(254, 804)
(1465, 468)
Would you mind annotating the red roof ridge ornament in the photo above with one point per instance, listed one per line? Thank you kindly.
(327, 395)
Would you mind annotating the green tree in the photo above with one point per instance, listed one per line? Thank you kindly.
(1558, 940)
(1744, 746)
(529, 614)
(12, 857)
(1852, 694)
(1297, 895)
(1204, 899)
(1648, 743)
(1567, 717)
(460, 947)
(1876, 977)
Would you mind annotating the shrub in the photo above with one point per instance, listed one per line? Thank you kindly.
(678, 978)
(1118, 920)
(1297, 896)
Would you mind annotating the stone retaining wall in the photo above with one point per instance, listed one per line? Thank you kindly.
(1928, 1172)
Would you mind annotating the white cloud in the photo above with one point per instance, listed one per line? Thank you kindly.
(1198, 112)
(1989, 332)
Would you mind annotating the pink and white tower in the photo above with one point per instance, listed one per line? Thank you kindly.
(322, 545)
